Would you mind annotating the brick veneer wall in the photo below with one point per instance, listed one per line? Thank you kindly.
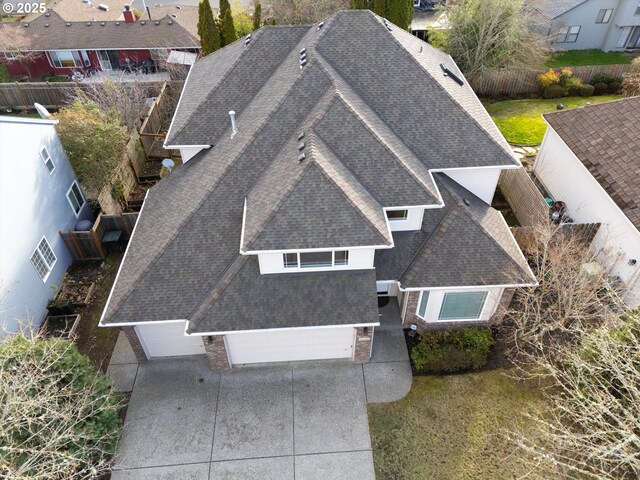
(216, 353)
(362, 345)
(136, 346)
(412, 317)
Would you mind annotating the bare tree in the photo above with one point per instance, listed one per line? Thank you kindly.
(631, 81)
(304, 11)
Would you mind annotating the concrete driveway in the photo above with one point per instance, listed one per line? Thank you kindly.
(303, 421)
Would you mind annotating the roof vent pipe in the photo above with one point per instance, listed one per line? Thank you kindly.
(234, 127)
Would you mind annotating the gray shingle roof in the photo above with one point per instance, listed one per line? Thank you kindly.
(52, 32)
(184, 261)
(555, 8)
(283, 300)
(465, 243)
(606, 139)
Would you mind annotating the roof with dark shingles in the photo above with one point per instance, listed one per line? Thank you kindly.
(486, 252)
(606, 139)
(183, 261)
(555, 8)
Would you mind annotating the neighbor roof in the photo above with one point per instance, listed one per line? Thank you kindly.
(370, 138)
(555, 8)
(606, 139)
(466, 243)
(51, 32)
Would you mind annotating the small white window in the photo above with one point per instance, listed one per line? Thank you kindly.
(397, 215)
(339, 258)
(604, 15)
(290, 260)
(46, 158)
(75, 197)
(422, 304)
(43, 259)
(574, 31)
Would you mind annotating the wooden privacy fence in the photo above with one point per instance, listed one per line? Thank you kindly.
(514, 82)
(22, 95)
(526, 201)
(155, 124)
(88, 245)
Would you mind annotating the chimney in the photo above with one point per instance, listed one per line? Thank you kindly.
(129, 17)
(234, 128)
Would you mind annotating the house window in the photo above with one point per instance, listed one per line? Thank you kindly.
(422, 304)
(568, 35)
(604, 15)
(46, 158)
(638, 9)
(43, 259)
(397, 215)
(634, 38)
(85, 58)
(290, 260)
(10, 55)
(65, 58)
(338, 258)
(462, 306)
(75, 197)
(315, 259)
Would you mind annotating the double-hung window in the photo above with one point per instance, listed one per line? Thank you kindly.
(75, 197)
(422, 304)
(43, 259)
(46, 158)
(462, 306)
(65, 58)
(568, 34)
(604, 15)
(339, 258)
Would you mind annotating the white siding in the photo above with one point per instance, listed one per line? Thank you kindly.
(592, 34)
(168, 340)
(482, 182)
(188, 153)
(359, 259)
(567, 179)
(33, 204)
(413, 221)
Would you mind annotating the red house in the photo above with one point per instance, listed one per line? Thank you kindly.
(76, 36)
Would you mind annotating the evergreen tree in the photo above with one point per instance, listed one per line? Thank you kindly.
(400, 12)
(273, 21)
(224, 6)
(359, 4)
(228, 28)
(380, 7)
(207, 29)
(257, 13)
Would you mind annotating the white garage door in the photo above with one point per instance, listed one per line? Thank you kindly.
(168, 340)
(290, 345)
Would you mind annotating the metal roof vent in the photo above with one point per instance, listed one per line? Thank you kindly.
(103, 7)
(466, 202)
(88, 24)
(68, 24)
(234, 126)
(178, 7)
(320, 25)
(303, 62)
(117, 23)
(303, 51)
(301, 157)
(451, 75)
(300, 136)
(102, 24)
(47, 14)
(169, 22)
(174, 15)
(25, 25)
(301, 146)
(143, 23)
(247, 40)
(157, 22)
(46, 25)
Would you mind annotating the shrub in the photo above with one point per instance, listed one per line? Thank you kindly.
(553, 91)
(548, 78)
(614, 87)
(572, 85)
(601, 78)
(59, 417)
(452, 351)
(600, 89)
(586, 90)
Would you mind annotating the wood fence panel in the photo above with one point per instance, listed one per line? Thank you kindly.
(526, 201)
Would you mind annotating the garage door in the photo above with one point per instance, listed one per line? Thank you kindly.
(290, 345)
(168, 340)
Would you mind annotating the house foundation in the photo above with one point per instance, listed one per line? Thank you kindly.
(136, 346)
(362, 344)
(217, 353)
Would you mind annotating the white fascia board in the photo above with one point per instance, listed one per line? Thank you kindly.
(232, 332)
(485, 167)
(406, 207)
(148, 322)
(38, 121)
(244, 218)
(468, 287)
(433, 181)
(124, 257)
(166, 147)
(333, 249)
(184, 88)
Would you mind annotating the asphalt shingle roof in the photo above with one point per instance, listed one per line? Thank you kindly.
(555, 8)
(606, 139)
(465, 243)
(367, 147)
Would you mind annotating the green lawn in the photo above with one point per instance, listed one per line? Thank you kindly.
(4, 74)
(576, 58)
(451, 428)
(520, 121)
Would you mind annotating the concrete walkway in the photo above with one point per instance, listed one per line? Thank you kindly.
(303, 421)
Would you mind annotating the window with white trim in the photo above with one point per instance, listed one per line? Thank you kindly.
(422, 304)
(604, 15)
(397, 215)
(327, 259)
(462, 305)
(46, 158)
(43, 259)
(568, 34)
(65, 58)
(75, 197)
(10, 55)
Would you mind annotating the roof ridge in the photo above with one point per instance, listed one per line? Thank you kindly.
(323, 145)
(464, 110)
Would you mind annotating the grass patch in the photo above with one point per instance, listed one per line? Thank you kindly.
(520, 121)
(450, 428)
(577, 58)
(4, 74)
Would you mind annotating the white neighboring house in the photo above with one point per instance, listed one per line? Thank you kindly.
(39, 196)
(590, 159)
